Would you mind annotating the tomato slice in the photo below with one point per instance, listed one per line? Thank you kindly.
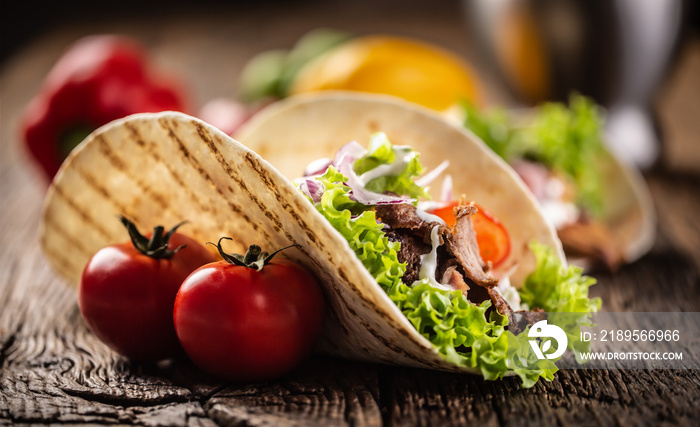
(491, 235)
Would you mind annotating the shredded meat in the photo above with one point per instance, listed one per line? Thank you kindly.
(454, 278)
(500, 304)
(404, 215)
(591, 240)
(412, 247)
(517, 320)
(445, 261)
(521, 319)
(459, 262)
(462, 243)
(412, 232)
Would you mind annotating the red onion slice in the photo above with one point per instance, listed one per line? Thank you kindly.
(433, 174)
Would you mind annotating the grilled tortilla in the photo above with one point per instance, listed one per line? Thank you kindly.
(168, 167)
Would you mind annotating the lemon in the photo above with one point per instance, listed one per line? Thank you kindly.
(413, 70)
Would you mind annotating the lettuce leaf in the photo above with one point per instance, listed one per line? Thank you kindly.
(465, 333)
(494, 128)
(458, 328)
(568, 140)
(359, 226)
(556, 289)
(402, 161)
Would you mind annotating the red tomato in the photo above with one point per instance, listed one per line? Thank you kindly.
(126, 297)
(245, 324)
(491, 235)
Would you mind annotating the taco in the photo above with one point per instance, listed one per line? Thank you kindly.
(166, 167)
(308, 129)
(600, 207)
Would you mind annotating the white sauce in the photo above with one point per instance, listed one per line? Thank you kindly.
(429, 266)
(428, 262)
(402, 156)
(509, 293)
(428, 217)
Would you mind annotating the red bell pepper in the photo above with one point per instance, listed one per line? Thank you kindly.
(99, 79)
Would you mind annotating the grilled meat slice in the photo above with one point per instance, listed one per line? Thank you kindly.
(454, 278)
(405, 216)
(591, 240)
(412, 248)
(462, 243)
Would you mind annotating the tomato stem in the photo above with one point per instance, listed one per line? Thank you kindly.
(254, 257)
(157, 246)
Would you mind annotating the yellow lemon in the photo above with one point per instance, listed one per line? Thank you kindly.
(416, 71)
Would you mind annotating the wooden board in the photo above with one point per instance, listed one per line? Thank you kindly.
(53, 370)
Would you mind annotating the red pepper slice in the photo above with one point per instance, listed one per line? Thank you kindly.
(491, 235)
(99, 79)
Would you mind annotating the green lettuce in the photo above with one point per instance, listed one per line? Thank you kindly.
(556, 289)
(358, 224)
(568, 140)
(562, 291)
(465, 333)
(382, 152)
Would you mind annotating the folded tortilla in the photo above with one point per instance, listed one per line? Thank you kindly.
(627, 217)
(167, 167)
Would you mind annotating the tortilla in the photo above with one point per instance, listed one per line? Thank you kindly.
(167, 167)
(293, 132)
(628, 213)
(306, 127)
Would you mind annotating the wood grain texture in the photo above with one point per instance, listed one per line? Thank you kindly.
(53, 370)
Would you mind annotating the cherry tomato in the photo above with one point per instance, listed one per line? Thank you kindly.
(249, 321)
(127, 291)
(491, 235)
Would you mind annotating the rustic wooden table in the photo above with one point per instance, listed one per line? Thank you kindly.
(53, 370)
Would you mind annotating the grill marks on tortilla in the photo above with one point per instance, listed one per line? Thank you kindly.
(355, 317)
(169, 127)
(255, 165)
(93, 183)
(67, 266)
(206, 137)
(151, 150)
(58, 191)
(119, 165)
(72, 242)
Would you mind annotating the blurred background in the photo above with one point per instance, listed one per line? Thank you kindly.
(619, 52)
